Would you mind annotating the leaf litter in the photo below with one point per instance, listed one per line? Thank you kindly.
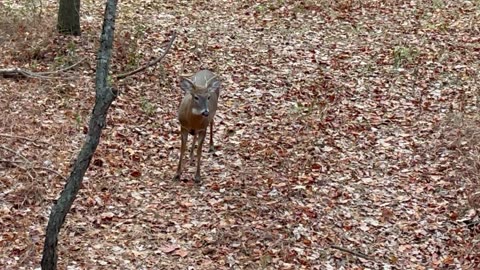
(339, 125)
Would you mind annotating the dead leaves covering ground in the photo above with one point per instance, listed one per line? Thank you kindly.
(341, 124)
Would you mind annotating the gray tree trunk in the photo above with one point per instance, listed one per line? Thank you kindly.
(68, 21)
(104, 96)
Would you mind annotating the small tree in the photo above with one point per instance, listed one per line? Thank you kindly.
(104, 97)
(68, 21)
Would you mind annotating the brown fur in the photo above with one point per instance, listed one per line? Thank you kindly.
(206, 88)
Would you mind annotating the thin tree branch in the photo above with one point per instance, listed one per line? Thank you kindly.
(63, 69)
(154, 62)
(33, 167)
(14, 163)
(18, 72)
(28, 162)
(16, 153)
(22, 138)
(50, 170)
(355, 253)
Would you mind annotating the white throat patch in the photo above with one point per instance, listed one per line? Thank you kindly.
(196, 111)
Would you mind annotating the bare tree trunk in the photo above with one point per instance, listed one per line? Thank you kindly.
(104, 97)
(68, 21)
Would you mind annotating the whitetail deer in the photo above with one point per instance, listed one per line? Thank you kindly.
(196, 112)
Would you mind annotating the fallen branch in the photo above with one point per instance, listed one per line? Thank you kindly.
(28, 162)
(14, 163)
(15, 152)
(22, 138)
(22, 73)
(154, 62)
(17, 72)
(63, 69)
(49, 170)
(355, 253)
(31, 167)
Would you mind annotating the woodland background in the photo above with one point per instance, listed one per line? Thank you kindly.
(344, 124)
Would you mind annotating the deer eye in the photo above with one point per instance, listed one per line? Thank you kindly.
(208, 98)
(195, 97)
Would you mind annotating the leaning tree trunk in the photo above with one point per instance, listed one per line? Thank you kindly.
(68, 21)
(104, 97)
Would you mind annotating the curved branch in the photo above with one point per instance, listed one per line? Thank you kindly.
(355, 253)
(33, 141)
(18, 72)
(63, 69)
(21, 73)
(154, 62)
(16, 164)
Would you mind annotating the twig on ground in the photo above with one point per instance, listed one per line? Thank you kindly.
(63, 69)
(355, 253)
(154, 62)
(15, 152)
(18, 72)
(22, 138)
(16, 164)
(50, 170)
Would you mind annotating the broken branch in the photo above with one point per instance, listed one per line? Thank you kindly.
(22, 138)
(355, 253)
(14, 152)
(14, 163)
(154, 62)
(30, 166)
(22, 73)
(63, 69)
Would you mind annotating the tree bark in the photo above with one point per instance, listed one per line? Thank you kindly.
(68, 21)
(104, 96)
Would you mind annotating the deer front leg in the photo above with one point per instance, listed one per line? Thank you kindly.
(201, 138)
(211, 148)
(193, 148)
(184, 134)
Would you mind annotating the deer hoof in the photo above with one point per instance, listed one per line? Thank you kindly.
(198, 179)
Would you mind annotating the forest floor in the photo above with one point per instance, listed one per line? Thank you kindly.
(347, 136)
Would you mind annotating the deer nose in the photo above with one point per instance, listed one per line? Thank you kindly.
(205, 113)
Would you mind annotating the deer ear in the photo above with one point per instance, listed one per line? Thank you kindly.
(214, 86)
(186, 85)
